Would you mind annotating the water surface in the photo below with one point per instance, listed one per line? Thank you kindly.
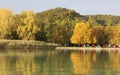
(51, 62)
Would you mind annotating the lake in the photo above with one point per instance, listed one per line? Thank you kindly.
(51, 62)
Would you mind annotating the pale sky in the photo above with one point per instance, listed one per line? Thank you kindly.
(84, 7)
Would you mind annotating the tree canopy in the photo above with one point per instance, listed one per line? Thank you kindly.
(27, 29)
(5, 23)
(59, 25)
(82, 34)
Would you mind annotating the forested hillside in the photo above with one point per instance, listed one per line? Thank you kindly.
(104, 20)
(58, 25)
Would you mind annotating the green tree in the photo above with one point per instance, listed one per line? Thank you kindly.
(103, 20)
(57, 18)
(100, 34)
(59, 35)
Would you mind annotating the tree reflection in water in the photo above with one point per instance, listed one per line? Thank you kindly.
(36, 62)
(96, 63)
(81, 62)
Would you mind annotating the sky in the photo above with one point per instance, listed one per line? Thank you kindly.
(84, 7)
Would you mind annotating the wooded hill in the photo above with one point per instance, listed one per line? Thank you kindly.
(104, 20)
(53, 25)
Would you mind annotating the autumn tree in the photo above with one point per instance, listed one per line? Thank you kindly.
(100, 34)
(114, 35)
(82, 34)
(16, 21)
(27, 29)
(5, 23)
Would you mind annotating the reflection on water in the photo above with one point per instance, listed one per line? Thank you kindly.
(81, 62)
(43, 62)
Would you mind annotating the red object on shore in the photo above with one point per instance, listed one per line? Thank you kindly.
(81, 45)
(116, 46)
(103, 45)
(93, 45)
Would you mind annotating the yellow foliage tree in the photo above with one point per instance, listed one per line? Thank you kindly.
(82, 34)
(114, 35)
(5, 19)
(28, 29)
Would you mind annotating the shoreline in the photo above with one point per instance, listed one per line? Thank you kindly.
(87, 48)
(23, 44)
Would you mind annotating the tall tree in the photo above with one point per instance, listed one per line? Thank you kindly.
(28, 28)
(114, 35)
(100, 34)
(5, 23)
(60, 35)
(82, 34)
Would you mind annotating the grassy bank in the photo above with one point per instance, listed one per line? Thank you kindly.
(21, 44)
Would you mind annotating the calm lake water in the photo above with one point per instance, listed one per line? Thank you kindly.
(43, 62)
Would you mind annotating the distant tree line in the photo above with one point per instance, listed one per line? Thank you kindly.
(59, 25)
